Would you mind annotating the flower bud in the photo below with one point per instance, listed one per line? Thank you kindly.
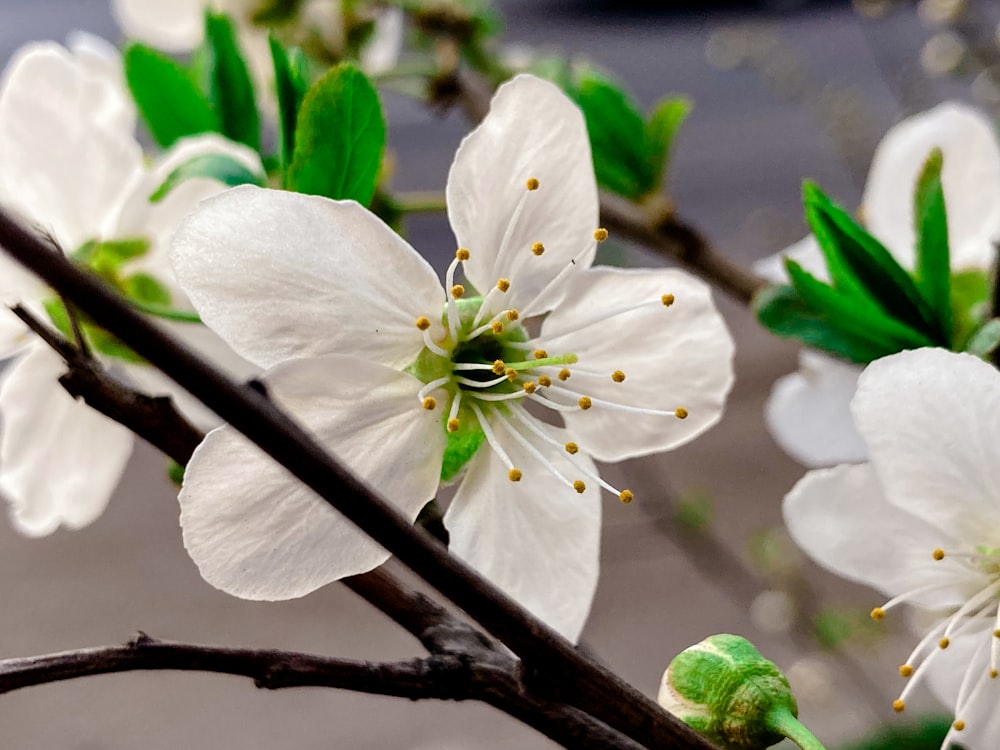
(725, 690)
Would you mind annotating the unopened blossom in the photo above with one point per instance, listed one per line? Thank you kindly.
(413, 384)
(70, 165)
(920, 522)
(807, 412)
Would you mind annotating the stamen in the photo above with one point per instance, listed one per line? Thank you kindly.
(577, 262)
(564, 374)
(462, 254)
(486, 305)
(667, 300)
(429, 403)
(453, 423)
(470, 383)
(579, 486)
(429, 343)
(898, 706)
(503, 285)
(537, 248)
(500, 260)
(511, 374)
(494, 324)
(475, 366)
(536, 454)
(512, 315)
(905, 670)
(530, 386)
(458, 291)
(626, 496)
(601, 318)
(532, 183)
(585, 402)
(679, 412)
(544, 380)
(431, 386)
(449, 283)
(572, 448)
(499, 367)
(540, 354)
(512, 396)
(938, 554)
(491, 438)
(618, 376)
(497, 327)
(423, 323)
(514, 475)
(600, 234)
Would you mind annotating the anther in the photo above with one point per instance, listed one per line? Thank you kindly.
(499, 368)
(564, 374)
(514, 475)
(532, 183)
(626, 496)
(898, 706)
(905, 670)
(993, 674)
(453, 424)
(423, 323)
(938, 554)
(540, 354)
(457, 291)
(544, 381)
(461, 254)
(530, 387)
(996, 633)
(497, 327)
(429, 403)
(667, 300)
(572, 448)
(511, 374)
(618, 376)
(579, 486)
(877, 614)
(600, 234)
(503, 284)
(680, 412)
(944, 643)
(958, 726)
(537, 248)
(512, 315)
(585, 402)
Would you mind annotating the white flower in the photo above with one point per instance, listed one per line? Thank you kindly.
(921, 522)
(70, 164)
(408, 384)
(807, 413)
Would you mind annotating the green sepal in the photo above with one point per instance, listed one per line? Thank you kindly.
(461, 446)
(664, 123)
(142, 287)
(933, 267)
(167, 96)
(220, 167)
(230, 87)
(175, 473)
(339, 138)
(291, 80)
(861, 267)
(108, 256)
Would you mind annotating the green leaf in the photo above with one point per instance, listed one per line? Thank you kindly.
(175, 473)
(230, 87)
(221, 167)
(111, 253)
(144, 288)
(860, 266)
(986, 340)
(926, 733)
(933, 271)
(166, 95)
(291, 80)
(970, 304)
(339, 138)
(664, 123)
(99, 340)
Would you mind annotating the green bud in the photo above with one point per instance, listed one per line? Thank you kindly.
(725, 690)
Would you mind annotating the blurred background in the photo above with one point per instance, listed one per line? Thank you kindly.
(783, 89)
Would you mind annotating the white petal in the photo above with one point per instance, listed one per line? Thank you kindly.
(971, 178)
(114, 107)
(809, 412)
(281, 275)
(677, 356)
(537, 539)
(532, 130)
(256, 532)
(805, 252)
(383, 49)
(59, 459)
(841, 519)
(171, 25)
(928, 419)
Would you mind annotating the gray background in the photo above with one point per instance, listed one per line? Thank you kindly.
(737, 176)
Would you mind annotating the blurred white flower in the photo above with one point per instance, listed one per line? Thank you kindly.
(807, 412)
(921, 522)
(412, 384)
(70, 164)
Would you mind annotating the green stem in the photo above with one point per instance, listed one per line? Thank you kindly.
(784, 723)
(420, 201)
(167, 313)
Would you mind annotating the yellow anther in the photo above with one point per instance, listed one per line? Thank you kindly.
(497, 327)
(958, 726)
(938, 554)
(993, 674)
(905, 670)
(503, 284)
(537, 248)
(499, 368)
(585, 402)
(877, 614)
(530, 387)
(511, 374)
(539, 354)
(462, 254)
(532, 183)
(618, 376)
(996, 633)
(457, 291)
(898, 706)
(512, 315)
(572, 448)
(681, 413)
(667, 300)
(600, 234)
(430, 403)
(944, 643)
(579, 486)
(453, 424)
(626, 496)
(423, 323)
(545, 381)
(564, 374)
(514, 475)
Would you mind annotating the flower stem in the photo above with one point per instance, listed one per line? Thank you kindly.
(784, 723)
(420, 201)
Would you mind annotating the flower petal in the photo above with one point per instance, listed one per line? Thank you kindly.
(842, 520)
(927, 417)
(532, 130)
(256, 532)
(537, 539)
(809, 412)
(59, 459)
(971, 179)
(676, 356)
(281, 275)
(171, 25)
